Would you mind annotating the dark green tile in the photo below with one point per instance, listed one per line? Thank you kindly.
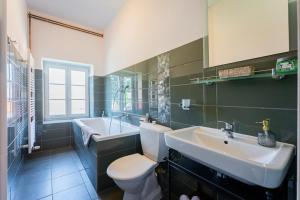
(187, 53)
(194, 116)
(38, 74)
(52, 134)
(180, 92)
(192, 92)
(210, 94)
(259, 93)
(62, 126)
(152, 66)
(177, 125)
(210, 117)
(196, 94)
(142, 67)
(98, 81)
(106, 159)
(210, 72)
(56, 143)
(118, 143)
(183, 74)
(283, 122)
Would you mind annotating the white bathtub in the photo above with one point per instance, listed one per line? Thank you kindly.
(101, 125)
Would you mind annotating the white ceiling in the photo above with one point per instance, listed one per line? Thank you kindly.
(96, 14)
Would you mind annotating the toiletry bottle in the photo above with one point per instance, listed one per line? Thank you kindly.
(266, 138)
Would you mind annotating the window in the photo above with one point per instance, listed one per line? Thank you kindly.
(66, 90)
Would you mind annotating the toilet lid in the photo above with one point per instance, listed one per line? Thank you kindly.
(130, 167)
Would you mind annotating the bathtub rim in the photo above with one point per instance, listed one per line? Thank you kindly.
(103, 137)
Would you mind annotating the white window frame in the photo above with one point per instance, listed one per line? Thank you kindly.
(68, 100)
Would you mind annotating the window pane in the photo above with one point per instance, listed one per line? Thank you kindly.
(78, 92)
(57, 76)
(77, 77)
(57, 107)
(57, 91)
(78, 107)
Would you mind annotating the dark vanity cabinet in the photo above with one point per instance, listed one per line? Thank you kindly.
(193, 179)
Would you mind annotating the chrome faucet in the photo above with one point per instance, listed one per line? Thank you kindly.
(228, 130)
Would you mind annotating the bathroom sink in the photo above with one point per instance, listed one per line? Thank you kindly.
(241, 157)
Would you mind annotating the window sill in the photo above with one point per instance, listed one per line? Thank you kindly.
(57, 121)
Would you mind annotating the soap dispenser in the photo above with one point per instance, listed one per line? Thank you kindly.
(267, 138)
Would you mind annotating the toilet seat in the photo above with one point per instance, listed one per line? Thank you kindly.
(130, 167)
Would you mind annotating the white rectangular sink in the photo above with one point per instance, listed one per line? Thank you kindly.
(241, 157)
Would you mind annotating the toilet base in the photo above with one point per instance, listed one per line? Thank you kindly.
(147, 190)
(155, 195)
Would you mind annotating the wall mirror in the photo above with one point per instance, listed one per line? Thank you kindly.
(245, 29)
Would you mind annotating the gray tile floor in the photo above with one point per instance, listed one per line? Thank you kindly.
(58, 175)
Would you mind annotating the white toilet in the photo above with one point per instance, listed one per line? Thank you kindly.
(135, 174)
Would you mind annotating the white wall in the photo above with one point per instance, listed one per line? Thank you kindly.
(17, 25)
(56, 42)
(240, 30)
(3, 125)
(146, 28)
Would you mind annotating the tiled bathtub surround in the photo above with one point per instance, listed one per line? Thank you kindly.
(243, 102)
(17, 115)
(99, 154)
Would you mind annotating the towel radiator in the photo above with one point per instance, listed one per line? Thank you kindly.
(31, 104)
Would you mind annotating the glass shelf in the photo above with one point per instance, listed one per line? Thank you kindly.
(258, 74)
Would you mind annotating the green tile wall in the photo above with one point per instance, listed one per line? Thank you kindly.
(243, 102)
(97, 102)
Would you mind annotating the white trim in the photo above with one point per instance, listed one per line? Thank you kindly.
(68, 67)
(90, 66)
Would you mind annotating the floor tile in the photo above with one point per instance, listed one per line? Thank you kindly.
(63, 170)
(78, 163)
(37, 164)
(84, 176)
(62, 157)
(66, 182)
(91, 190)
(63, 154)
(34, 191)
(56, 175)
(76, 193)
(34, 176)
(40, 154)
